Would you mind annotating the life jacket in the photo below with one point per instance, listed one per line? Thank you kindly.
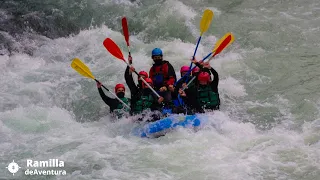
(207, 98)
(160, 74)
(145, 102)
(121, 109)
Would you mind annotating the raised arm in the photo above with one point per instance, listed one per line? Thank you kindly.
(130, 82)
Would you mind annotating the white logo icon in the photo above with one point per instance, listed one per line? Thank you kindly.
(13, 167)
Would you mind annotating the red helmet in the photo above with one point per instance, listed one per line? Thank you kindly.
(204, 76)
(148, 80)
(143, 73)
(119, 86)
(196, 70)
(184, 69)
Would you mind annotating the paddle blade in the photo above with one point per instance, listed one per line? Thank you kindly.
(222, 43)
(113, 48)
(81, 68)
(125, 30)
(205, 21)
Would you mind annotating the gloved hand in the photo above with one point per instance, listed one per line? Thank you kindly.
(130, 59)
(182, 93)
(132, 69)
(99, 84)
(207, 65)
(160, 100)
(162, 89)
(184, 86)
(194, 61)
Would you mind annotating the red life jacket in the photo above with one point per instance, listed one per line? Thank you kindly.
(159, 74)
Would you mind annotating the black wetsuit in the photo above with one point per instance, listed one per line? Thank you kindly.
(113, 103)
(117, 109)
(134, 89)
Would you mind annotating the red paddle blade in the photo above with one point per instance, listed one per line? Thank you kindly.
(228, 40)
(113, 48)
(125, 30)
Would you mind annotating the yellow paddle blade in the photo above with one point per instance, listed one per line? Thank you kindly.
(225, 41)
(205, 21)
(81, 68)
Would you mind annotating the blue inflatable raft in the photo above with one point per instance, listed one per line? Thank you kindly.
(160, 127)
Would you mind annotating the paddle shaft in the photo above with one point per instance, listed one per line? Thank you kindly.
(129, 50)
(129, 54)
(212, 58)
(195, 51)
(114, 95)
(189, 83)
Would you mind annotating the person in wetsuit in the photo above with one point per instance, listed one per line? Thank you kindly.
(117, 109)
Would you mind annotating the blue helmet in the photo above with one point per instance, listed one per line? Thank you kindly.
(156, 52)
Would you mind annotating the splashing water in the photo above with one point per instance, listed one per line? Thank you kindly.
(268, 126)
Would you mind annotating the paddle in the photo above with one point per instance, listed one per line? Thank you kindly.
(204, 26)
(221, 44)
(126, 34)
(224, 42)
(82, 69)
(114, 49)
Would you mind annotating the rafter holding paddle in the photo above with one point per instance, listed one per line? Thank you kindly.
(84, 70)
(220, 45)
(224, 42)
(114, 49)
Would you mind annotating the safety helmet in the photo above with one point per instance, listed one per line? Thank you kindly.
(148, 80)
(196, 70)
(119, 86)
(156, 52)
(143, 73)
(184, 69)
(204, 76)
